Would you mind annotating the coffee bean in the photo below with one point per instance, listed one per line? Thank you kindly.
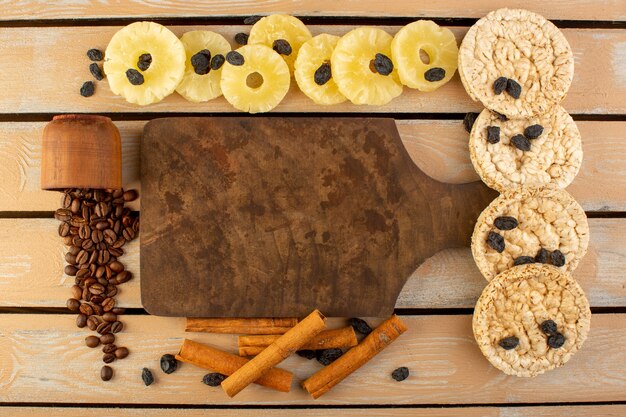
(84, 273)
(96, 300)
(74, 250)
(96, 289)
(109, 236)
(121, 352)
(117, 252)
(73, 304)
(66, 200)
(110, 317)
(119, 310)
(97, 236)
(116, 266)
(92, 341)
(123, 277)
(102, 226)
(117, 326)
(82, 257)
(146, 376)
(108, 357)
(108, 304)
(70, 270)
(130, 195)
(92, 323)
(107, 339)
(81, 321)
(111, 291)
(128, 233)
(63, 215)
(169, 363)
(104, 328)
(86, 309)
(106, 373)
(109, 348)
(64, 229)
(97, 310)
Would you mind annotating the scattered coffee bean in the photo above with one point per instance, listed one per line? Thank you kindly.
(549, 327)
(201, 62)
(121, 352)
(87, 89)
(307, 354)
(400, 374)
(213, 379)
(110, 317)
(468, 121)
(70, 270)
(144, 62)
(360, 325)
(109, 348)
(383, 64)
(543, 256)
(499, 85)
(93, 322)
(521, 142)
(495, 242)
(134, 76)
(505, 222)
(106, 373)
(81, 321)
(328, 356)
(242, 38)
(509, 343)
(108, 357)
(522, 260)
(107, 339)
(96, 71)
(95, 54)
(234, 58)
(104, 328)
(117, 327)
(513, 88)
(146, 376)
(558, 259)
(86, 309)
(130, 195)
(493, 134)
(169, 363)
(282, 46)
(323, 74)
(533, 132)
(217, 61)
(556, 340)
(435, 74)
(73, 304)
(92, 341)
(251, 20)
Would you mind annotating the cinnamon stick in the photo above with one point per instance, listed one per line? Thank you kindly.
(241, 325)
(226, 363)
(322, 381)
(275, 353)
(337, 338)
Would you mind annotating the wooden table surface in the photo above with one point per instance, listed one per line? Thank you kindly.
(44, 365)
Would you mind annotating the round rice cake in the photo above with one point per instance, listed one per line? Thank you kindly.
(517, 45)
(531, 319)
(544, 225)
(554, 157)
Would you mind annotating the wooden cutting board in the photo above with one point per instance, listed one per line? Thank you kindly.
(271, 217)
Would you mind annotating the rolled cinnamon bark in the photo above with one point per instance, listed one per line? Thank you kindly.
(337, 338)
(240, 326)
(284, 346)
(322, 381)
(226, 363)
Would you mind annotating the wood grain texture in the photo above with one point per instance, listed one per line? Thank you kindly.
(558, 9)
(47, 361)
(438, 147)
(31, 270)
(599, 85)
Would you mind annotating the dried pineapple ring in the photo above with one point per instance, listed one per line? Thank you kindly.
(279, 26)
(436, 42)
(260, 83)
(195, 87)
(313, 54)
(352, 65)
(166, 66)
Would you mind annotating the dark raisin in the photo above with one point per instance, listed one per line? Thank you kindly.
(134, 76)
(282, 47)
(509, 343)
(400, 374)
(543, 256)
(213, 379)
(146, 376)
(242, 38)
(217, 61)
(521, 143)
(549, 327)
(328, 356)
(468, 121)
(234, 58)
(558, 259)
(383, 64)
(533, 132)
(505, 222)
(201, 62)
(95, 54)
(322, 74)
(499, 85)
(87, 89)
(495, 241)
(522, 260)
(513, 88)
(360, 326)
(435, 74)
(501, 117)
(556, 340)
(493, 134)
(251, 20)
(307, 354)
(169, 363)
(95, 70)
(144, 62)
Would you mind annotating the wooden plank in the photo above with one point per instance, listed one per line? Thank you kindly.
(599, 84)
(45, 360)
(31, 270)
(558, 9)
(438, 147)
(538, 411)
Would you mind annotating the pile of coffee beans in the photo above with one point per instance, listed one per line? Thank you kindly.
(95, 226)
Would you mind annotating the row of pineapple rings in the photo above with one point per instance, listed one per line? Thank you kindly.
(365, 66)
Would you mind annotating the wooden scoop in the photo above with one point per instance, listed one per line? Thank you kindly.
(270, 217)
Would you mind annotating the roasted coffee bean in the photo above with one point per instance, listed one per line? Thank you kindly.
(119, 310)
(307, 354)
(96, 71)
(495, 242)
(87, 89)
(121, 352)
(213, 379)
(169, 363)
(82, 257)
(217, 61)
(533, 132)
(435, 74)
(382, 64)
(128, 233)
(234, 58)
(323, 74)
(92, 341)
(117, 252)
(96, 300)
(74, 250)
(93, 322)
(77, 221)
(70, 270)
(400, 374)
(549, 327)
(251, 20)
(107, 339)
(76, 292)
(558, 259)
(499, 85)
(86, 309)
(97, 236)
(360, 325)
(104, 328)
(117, 326)
(66, 200)
(75, 207)
(88, 281)
(116, 267)
(493, 134)
(242, 38)
(109, 348)
(109, 236)
(86, 295)
(111, 291)
(96, 289)
(146, 376)
(201, 61)
(76, 241)
(102, 226)
(103, 257)
(88, 245)
(84, 231)
(103, 281)
(68, 240)
(521, 142)
(119, 243)
(100, 271)
(328, 356)
(97, 310)
(130, 195)
(513, 88)
(468, 121)
(505, 222)
(63, 215)
(106, 373)
(108, 304)
(144, 61)
(95, 54)
(64, 229)
(108, 357)
(556, 340)
(523, 260)
(73, 304)
(509, 343)
(134, 76)
(543, 256)
(123, 277)
(110, 317)
(282, 46)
